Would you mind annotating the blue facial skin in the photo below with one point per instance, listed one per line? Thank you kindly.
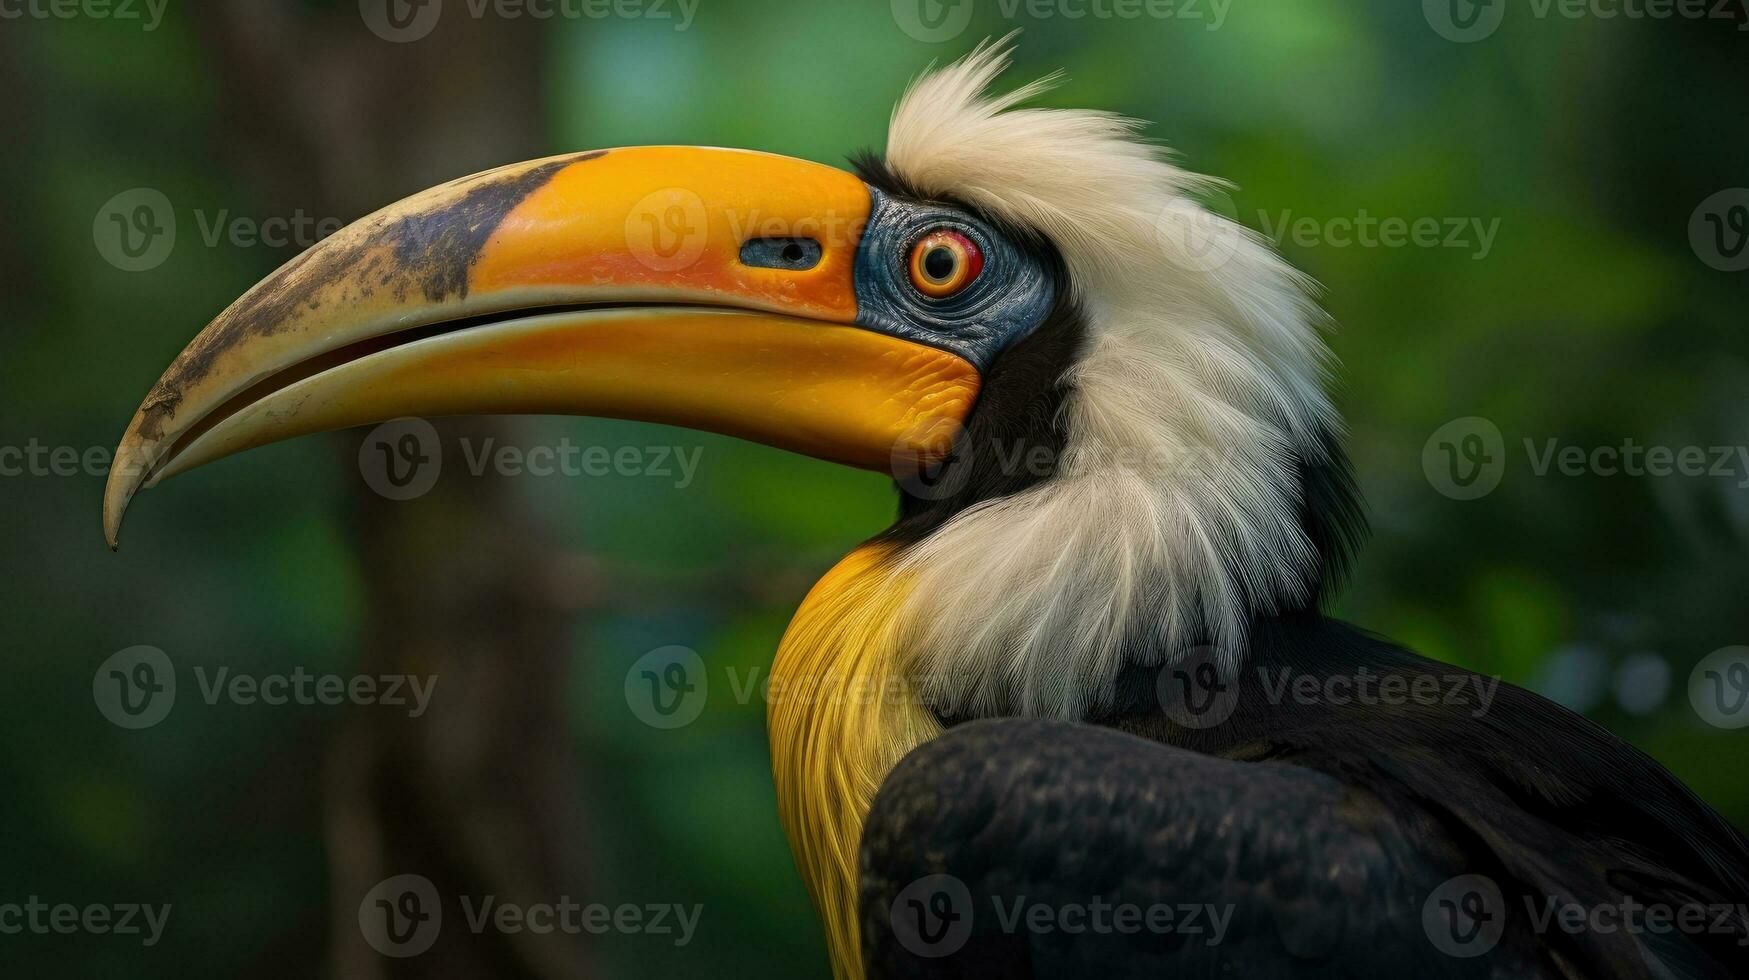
(1007, 301)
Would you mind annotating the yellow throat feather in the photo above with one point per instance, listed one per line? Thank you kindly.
(843, 711)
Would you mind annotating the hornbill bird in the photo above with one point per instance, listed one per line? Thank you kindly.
(1078, 710)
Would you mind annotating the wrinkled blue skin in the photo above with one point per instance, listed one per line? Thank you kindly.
(1008, 300)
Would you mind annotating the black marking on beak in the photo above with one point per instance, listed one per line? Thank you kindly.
(432, 252)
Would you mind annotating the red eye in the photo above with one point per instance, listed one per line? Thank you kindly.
(944, 262)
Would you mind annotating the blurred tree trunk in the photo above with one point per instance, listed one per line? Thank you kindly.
(478, 794)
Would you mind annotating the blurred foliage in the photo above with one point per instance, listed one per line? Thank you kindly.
(1589, 320)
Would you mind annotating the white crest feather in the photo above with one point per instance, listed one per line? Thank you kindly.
(1177, 505)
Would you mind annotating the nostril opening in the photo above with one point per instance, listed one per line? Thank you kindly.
(794, 254)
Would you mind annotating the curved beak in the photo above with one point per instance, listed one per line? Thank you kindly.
(708, 288)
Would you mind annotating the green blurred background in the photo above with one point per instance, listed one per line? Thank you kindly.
(1587, 143)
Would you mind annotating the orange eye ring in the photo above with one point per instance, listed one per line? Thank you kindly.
(944, 262)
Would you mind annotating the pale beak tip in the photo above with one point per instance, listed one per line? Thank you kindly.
(112, 514)
(124, 482)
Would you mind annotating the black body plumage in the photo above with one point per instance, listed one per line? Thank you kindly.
(1339, 837)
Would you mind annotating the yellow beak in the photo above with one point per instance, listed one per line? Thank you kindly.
(701, 287)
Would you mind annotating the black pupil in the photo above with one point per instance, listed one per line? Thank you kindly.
(792, 252)
(939, 263)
